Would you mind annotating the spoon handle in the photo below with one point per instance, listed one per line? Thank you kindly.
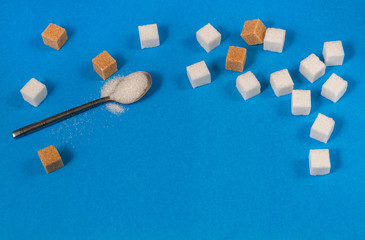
(58, 117)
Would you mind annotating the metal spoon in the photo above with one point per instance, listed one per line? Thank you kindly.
(74, 111)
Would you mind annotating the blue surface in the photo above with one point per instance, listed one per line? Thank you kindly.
(182, 163)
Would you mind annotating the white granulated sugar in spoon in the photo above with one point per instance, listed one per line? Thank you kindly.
(109, 86)
(130, 88)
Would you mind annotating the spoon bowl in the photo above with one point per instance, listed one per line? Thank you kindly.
(149, 84)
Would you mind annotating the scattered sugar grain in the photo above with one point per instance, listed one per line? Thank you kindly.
(115, 108)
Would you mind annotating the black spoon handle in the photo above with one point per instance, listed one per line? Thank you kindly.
(58, 117)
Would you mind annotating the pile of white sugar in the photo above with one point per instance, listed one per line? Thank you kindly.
(107, 90)
(130, 88)
(124, 90)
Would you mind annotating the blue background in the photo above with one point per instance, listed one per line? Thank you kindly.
(182, 163)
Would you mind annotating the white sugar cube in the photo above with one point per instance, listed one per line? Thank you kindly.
(312, 68)
(198, 74)
(322, 128)
(333, 53)
(281, 82)
(319, 162)
(34, 92)
(301, 102)
(148, 35)
(208, 37)
(334, 88)
(274, 40)
(248, 85)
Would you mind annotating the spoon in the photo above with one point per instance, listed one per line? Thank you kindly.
(74, 111)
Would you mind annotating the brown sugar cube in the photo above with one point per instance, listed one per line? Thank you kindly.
(105, 65)
(236, 58)
(54, 36)
(50, 158)
(253, 32)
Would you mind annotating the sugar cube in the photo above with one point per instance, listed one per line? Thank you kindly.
(322, 128)
(105, 65)
(333, 53)
(50, 158)
(319, 162)
(148, 35)
(198, 74)
(301, 102)
(334, 88)
(236, 58)
(208, 37)
(253, 32)
(54, 36)
(34, 92)
(248, 85)
(312, 68)
(274, 40)
(281, 82)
